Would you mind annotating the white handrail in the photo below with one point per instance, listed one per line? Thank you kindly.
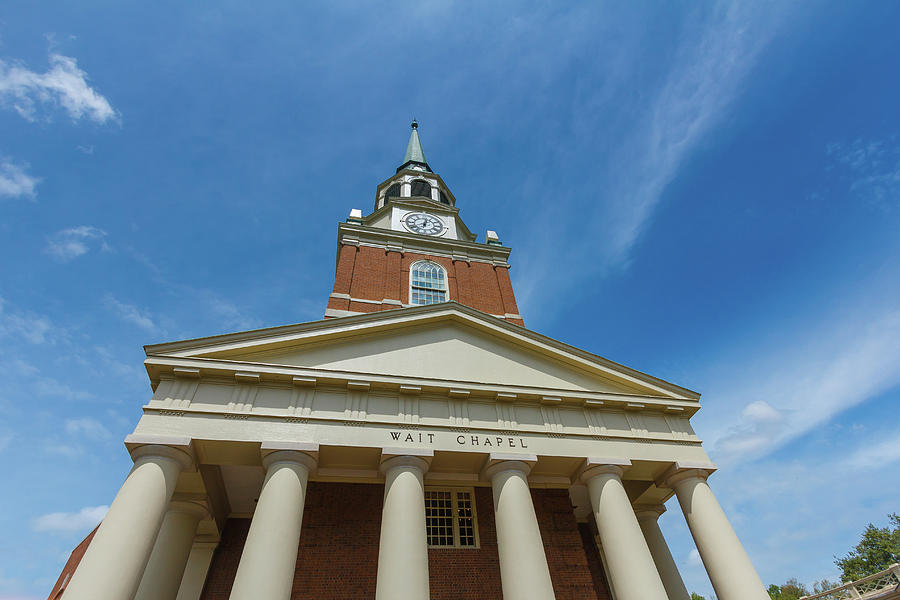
(863, 588)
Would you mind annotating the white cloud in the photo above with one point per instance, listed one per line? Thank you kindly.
(872, 168)
(63, 85)
(62, 522)
(711, 63)
(761, 412)
(68, 244)
(875, 454)
(707, 69)
(821, 373)
(87, 427)
(14, 181)
(694, 559)
(47, 386)
(35, 329)
(130, 313)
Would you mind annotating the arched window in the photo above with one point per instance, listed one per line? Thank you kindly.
(427, 283)
(444, 198)
(420, 187)
(392, 192)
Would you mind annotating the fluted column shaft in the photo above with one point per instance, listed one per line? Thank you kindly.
(523, 565)
(269, 557)
(403, 546)
(727, 564)
(631, 567)
(164, 571)
(115, 560)
(648, 519)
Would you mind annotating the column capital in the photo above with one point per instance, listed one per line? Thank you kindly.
(682, 470)
(177, 448)
(304, 453)
(507, 461)
(594, 466)
(406, 457)
(648, 511)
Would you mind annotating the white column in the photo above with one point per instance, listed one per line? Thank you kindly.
(631, 566)
(648, 519)
(269, 558)
(195, 572)
(523, 565)
(727, 564)
(114, 562)
(164, 571)
(403, 546)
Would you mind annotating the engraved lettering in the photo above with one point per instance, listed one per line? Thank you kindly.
(487, 441)
(460, 439)
(512, 442)
(409, 438)
(474, 440)
(431, 438)
(395, 435)
(522, 443)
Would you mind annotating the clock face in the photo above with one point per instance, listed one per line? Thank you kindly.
(423, 223)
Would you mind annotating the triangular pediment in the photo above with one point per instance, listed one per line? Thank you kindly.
(447, 342)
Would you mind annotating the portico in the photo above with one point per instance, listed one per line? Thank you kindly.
(227, 437)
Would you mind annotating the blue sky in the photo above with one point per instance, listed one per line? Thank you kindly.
(708, 192)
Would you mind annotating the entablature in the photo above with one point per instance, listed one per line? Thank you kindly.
(399, 241)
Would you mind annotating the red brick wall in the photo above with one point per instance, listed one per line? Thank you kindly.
(74, 559)
(367, 273)
(456, 574)
(566, 557)
(338, 555)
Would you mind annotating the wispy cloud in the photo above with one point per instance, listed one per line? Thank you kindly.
(35, 329)
(718, 48)
(88, 428)
(52, 388)
(63, 85)
(711, 63)
(872, 167)
(63, 522)
(823, 373)
(68, 244)
(875, 455)
(131, 314)
(14, 181)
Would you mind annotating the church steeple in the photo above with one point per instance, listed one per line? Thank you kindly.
(415, 155)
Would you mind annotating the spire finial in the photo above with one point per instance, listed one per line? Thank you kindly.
(414, 152)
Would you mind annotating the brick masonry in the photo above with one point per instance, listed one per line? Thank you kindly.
(375, 274)
(338, 555)
(71, 565)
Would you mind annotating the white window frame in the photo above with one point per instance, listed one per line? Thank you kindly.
(446, 289)
(454, 491)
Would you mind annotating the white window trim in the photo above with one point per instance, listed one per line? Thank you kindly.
(410, 282)
(453, 492)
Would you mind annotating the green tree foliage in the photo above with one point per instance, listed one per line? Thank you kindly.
(878, 549)
(696, 596)
(791, 590)
(824, 586)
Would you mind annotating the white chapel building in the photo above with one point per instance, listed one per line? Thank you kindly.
(417, 443)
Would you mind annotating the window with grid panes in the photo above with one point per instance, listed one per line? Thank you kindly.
(450, 518)
(427, 284)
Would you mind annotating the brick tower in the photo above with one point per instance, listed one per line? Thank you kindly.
(414, 249)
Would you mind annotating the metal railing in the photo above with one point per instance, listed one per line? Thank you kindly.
(872, 586)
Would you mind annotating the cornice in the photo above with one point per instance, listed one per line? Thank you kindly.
(246, 371)
(411, 242)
